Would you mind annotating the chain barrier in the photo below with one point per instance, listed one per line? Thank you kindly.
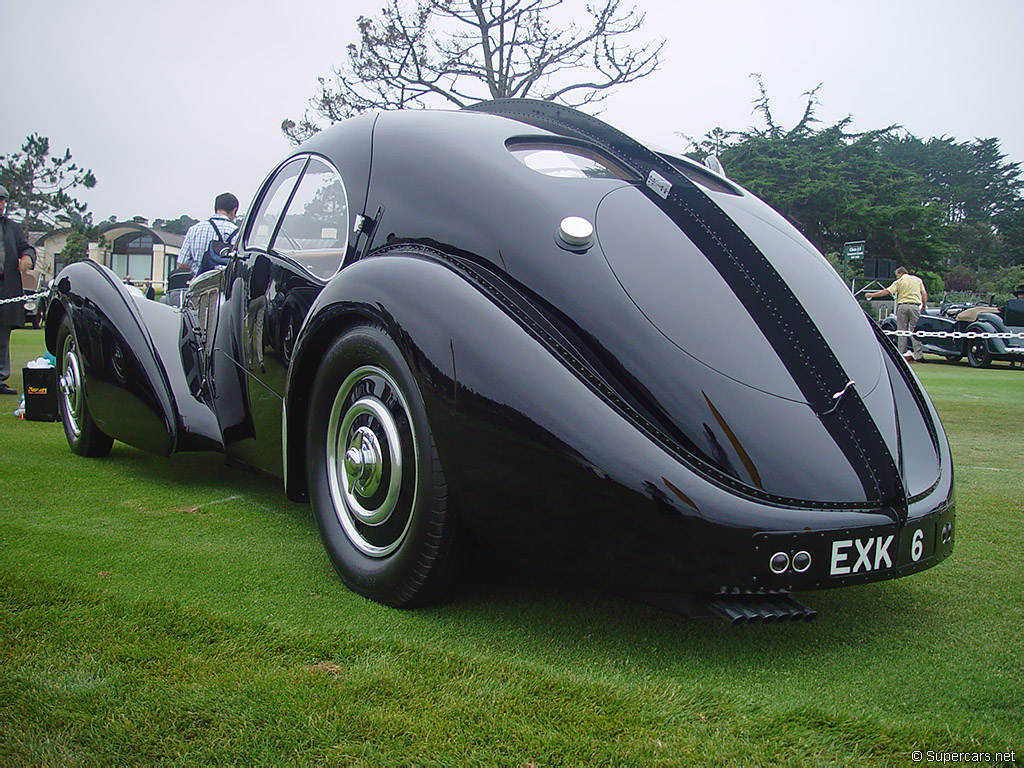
(956, 334)
(26, 297)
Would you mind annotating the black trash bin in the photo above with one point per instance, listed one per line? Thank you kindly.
(40, 394)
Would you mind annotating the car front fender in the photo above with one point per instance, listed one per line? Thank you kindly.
(126, 387)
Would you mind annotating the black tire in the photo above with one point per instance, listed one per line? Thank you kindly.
(978, 355)
(84, 437)
(375, 482)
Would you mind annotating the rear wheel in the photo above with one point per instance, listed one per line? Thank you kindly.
(978, 355)
(376, 485)
(84, 437)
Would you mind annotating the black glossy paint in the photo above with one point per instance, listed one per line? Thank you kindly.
(652, 410)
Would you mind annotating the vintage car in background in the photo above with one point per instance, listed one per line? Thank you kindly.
(32, 283)
(953, 308)
(497, 332)
(980, 350)
(177, 284)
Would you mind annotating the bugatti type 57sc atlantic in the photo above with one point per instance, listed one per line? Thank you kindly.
(516, 326)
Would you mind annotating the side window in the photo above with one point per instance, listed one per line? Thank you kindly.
(272, 205)
(315, 228)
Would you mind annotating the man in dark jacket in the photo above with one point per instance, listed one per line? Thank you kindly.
(16, 256)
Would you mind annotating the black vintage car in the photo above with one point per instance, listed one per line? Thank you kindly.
(177, 284)
(32, 284)
(983, 333)
(517, 326)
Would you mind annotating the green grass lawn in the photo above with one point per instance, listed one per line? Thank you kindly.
(174, 610)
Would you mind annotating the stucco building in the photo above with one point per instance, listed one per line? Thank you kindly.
(132, 248)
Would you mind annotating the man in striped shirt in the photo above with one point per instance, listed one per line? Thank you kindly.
(200, 235)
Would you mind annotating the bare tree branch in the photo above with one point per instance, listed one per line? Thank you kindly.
(420, 53)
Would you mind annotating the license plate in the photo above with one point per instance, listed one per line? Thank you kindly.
(852, 555)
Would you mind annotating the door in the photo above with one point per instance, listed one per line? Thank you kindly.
(293, 242)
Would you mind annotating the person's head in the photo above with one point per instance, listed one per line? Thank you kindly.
(227, 204)
(901, 271)
(147, 282)
(3, 199)
(1018, 292)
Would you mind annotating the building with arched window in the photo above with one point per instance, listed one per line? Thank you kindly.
(131, 249)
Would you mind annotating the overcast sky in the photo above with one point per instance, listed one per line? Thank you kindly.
(171, 103)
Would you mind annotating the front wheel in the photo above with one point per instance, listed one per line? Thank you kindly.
(376, 485)
(84, 437)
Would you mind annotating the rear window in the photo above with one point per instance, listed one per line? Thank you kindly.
(566, 161)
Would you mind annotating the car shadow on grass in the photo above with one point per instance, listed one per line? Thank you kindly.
(500, 604)
(504, 607)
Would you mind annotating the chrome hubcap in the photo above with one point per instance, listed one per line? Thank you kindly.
(371, 461)
(71, 388)
(363, 463)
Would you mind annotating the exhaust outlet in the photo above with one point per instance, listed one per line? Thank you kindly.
(734, 608)
(758, 609)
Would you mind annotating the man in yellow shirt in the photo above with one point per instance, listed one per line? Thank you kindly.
(911, 300)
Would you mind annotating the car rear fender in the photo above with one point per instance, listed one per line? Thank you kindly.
(372, 291)
(475, 364)
(989, 323)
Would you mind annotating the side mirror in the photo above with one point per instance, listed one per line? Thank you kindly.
(713, 163)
